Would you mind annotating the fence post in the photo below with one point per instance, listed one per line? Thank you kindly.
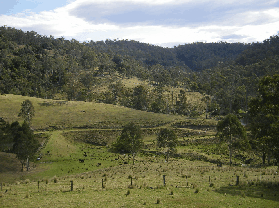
(38, 186)
(103, 183)
(1, 186)
(237, 181)
(209, 179)
(72, 185)
(131, 181)
(164, 179)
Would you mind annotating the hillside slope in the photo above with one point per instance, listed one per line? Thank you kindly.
(59, 114)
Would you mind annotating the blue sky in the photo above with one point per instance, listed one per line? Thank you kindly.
(159, 22)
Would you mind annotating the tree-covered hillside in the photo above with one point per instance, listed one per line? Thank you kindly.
(40, 66)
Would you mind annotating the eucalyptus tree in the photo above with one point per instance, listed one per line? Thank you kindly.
(264, 117)
(167, 139)
(230, 130)
(27, 111)
(130, 140)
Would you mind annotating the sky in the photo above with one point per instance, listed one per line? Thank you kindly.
(165, 23)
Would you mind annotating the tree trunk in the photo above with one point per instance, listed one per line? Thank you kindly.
(168, 156)
(230, 147)
(22, 163)
(268, 158)
(230, 155)
(133, 158)
(27, 164)
(264, 157)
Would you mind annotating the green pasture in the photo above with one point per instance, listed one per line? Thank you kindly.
(187, 184)
(76, 148)
(59, 114)
(104, 180)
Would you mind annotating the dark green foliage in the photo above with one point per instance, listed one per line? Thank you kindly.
(27, 111)
(35, 65)
(6, 138)
(264, 117)
(140, 99)
(25, 144)
(130, 140)
(167, 139)
(231, 131)
(213, 54)
(18, 139)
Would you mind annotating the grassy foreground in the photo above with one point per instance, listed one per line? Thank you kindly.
(105, 179)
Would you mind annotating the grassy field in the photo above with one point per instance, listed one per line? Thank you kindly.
(58, 114)
(78, 150)
(187, 184)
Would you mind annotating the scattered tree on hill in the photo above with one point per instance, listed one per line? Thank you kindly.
(264, 117)
(27, 111)
(130, 140)
(230, 130)
(167, 139)
(25, 144)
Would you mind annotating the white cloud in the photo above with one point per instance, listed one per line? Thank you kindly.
(236, 25)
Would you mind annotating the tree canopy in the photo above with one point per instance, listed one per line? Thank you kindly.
(264, 117)
(130, 140)
(25, 144)
(230, 130)
(167, 139)
(45, 67)
(27, 111)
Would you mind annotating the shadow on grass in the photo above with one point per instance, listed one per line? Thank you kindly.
(265, 190)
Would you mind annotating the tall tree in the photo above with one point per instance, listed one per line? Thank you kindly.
(140, 98)
(167, 139)
(264, 117)
(25, 144)
(130, 140)
(231, 131)
(27, 111)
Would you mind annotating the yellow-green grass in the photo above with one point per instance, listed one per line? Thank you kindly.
(188, 184)
(71, 114)
(62, 157)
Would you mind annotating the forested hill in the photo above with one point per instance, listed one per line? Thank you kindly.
(196, 56)
(35, 65)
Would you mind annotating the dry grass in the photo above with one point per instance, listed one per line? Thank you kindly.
(187, 184)
(54, 114)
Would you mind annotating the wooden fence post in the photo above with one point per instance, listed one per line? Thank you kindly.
(209, 179)
(72, 185)
(237, 181)
(131, 181)
(38, 186)
(164, 179)
(103, 183)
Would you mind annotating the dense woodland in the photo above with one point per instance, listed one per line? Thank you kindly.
(46, 67)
